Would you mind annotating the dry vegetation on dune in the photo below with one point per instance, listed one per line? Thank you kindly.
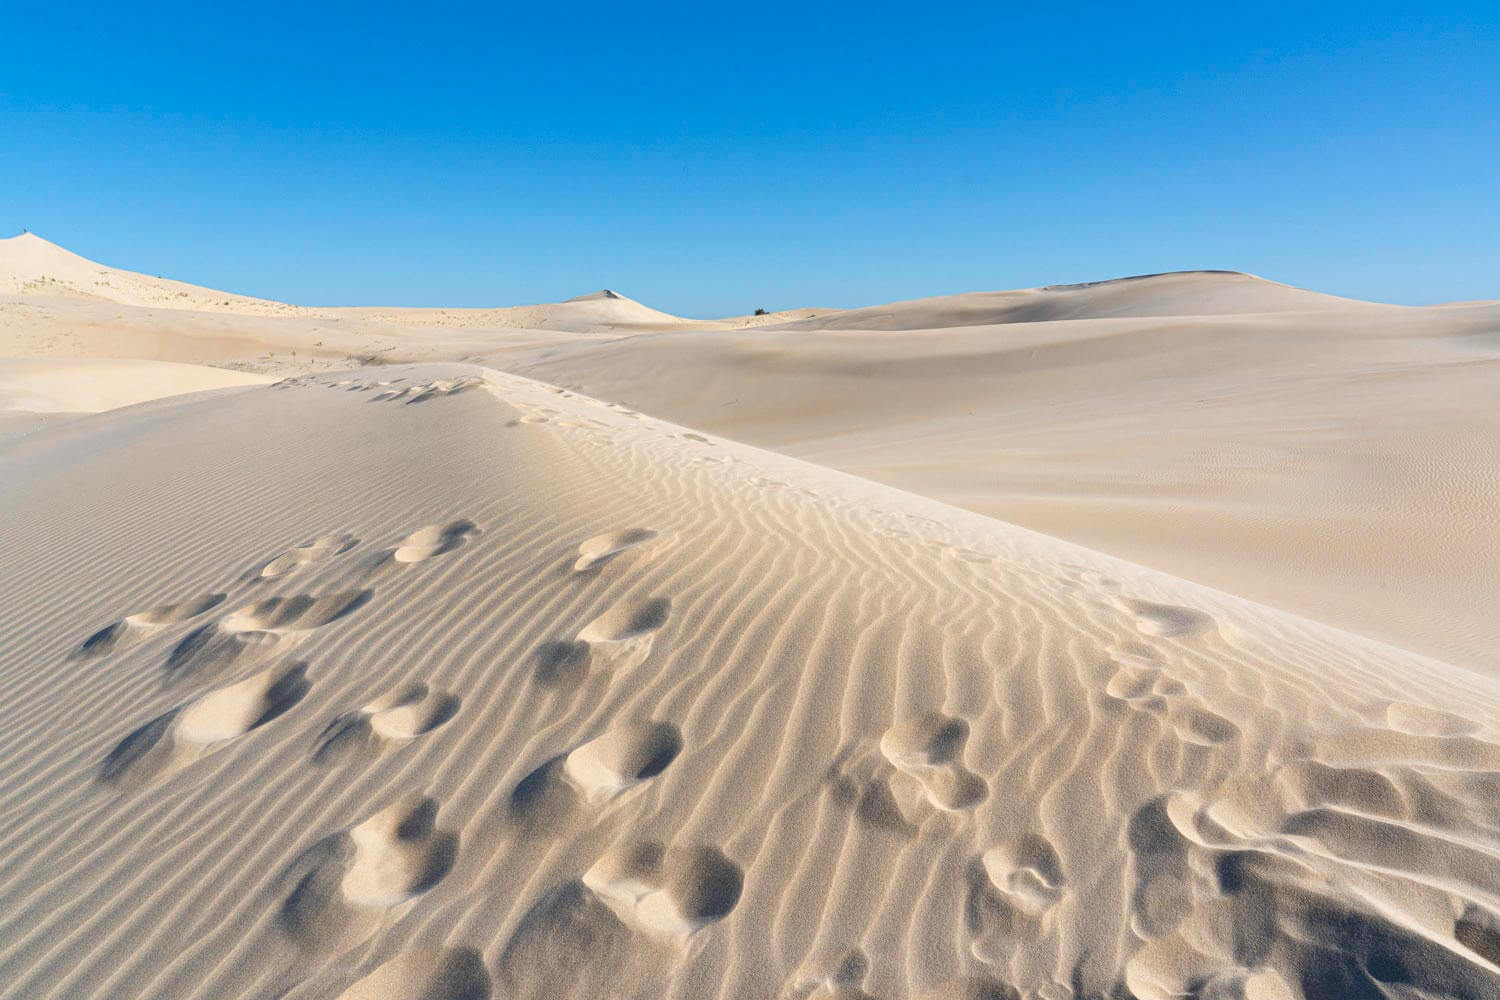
(437, 682)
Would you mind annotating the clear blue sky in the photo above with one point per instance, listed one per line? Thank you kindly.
(709, 160)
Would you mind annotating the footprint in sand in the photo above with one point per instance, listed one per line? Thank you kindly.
(1145, 687)
(622, 758)
(132, 628)
(618, 640)
(438, 974)
(1158, 839)
(930, 749)
(1167, 621)
(257, 631)
(984, 988)
(391, 720)
(433, 540)
(561, 664)
(839, 979)
(422, 392)
(176, 739)
(210, 651)
(1195, 724)
(570, 946)
(444, 387)
(672, 892)
(532, 415)
(314, 551)
(1012, 887)
(602, 548)
(1415, 720)
(626, 921)
(1027, 871)
(593, 774)
(859, 780)
(342, 884)
(298, 613)
(630, 620)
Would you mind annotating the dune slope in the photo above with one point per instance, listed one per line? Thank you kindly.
(1339, 463)
(434, 682)
(1177, 293)
(78, 385)
(1330, 457)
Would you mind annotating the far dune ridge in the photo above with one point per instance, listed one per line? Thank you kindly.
(434, 681)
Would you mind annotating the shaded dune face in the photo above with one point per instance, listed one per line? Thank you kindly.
(665, 716)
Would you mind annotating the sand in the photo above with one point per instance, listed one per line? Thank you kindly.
(43, 392)
(1336, 461)
(1324, 456)
(434, 680)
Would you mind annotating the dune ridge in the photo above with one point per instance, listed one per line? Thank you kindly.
(35, 269)
(1315, 453)
(619, 708)
(1169, 294)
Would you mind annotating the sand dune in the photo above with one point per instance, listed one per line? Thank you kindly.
(47, 385)
(32, 266)
(56, 304)
(1181, 293)
(39, 392)
(1337, 462)
(433, 681)
(1322, 455)
(1325, 456)
(40, 277)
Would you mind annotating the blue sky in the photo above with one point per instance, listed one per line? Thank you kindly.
(709, 160)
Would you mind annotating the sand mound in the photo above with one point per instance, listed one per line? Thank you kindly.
(1334, 462)
(1179, 293)
(30, 265)
(34, 269)
(76, 385)
(644, 713)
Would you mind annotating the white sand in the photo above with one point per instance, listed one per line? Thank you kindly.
(1325, 456)
(1338, 461)
(71, 385)
(44, 392)
(435, 681)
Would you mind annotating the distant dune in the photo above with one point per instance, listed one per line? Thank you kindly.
(431, 681)
(1182, 293)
